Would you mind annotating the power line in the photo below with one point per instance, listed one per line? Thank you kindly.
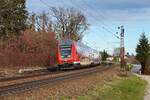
(46, 4)
(108, 28)
(108, 45)
(92, 14)
(84, 10)
(100, 14)
(111, 33)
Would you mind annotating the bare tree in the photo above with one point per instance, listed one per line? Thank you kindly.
(31, 21)
(69, 23)
(40, 22)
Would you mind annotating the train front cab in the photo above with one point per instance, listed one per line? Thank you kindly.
(67, 56)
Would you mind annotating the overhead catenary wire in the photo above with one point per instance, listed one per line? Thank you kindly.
(111, 33)
(45, 4)
(50, 7)
(100, 13)
(87, 13)
(108, 29)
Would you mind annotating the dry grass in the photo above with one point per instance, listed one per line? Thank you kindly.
(28, 50)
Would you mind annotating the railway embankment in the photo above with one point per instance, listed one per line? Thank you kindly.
(70, 88)
(105, 85)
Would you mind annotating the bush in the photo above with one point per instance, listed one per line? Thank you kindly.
(29, 49)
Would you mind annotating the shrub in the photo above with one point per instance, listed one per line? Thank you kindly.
(29, 49)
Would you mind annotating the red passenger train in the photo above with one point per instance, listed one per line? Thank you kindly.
(76, 53)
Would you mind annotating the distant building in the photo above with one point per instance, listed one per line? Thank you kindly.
(110, 59)
(116, 52)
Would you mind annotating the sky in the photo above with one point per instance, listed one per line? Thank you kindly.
(104, 17)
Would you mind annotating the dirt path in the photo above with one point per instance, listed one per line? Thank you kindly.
(147, 78)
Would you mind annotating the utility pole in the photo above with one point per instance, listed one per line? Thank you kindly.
(122, 48)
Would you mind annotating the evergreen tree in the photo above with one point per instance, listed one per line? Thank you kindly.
(13, 17)
(104, 55)
(142, 51)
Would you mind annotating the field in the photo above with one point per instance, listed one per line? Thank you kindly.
(123, 88)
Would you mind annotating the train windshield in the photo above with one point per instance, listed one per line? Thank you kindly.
(65, 51)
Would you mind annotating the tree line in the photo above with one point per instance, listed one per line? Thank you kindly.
(65, 22)
(30, 39)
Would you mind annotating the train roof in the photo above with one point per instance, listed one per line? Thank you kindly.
(65, 42)
(79, 43)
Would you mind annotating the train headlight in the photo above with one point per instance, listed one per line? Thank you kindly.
(69, 55)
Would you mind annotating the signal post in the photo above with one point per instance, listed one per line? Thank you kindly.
(122, 49)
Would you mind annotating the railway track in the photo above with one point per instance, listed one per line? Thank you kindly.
(52, 70)
(29, 75)
(26, 86)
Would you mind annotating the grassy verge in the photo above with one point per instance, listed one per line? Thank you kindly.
(122, 88)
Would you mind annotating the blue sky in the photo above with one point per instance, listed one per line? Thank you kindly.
(132, 14)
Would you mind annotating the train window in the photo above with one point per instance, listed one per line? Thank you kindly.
(65, 51)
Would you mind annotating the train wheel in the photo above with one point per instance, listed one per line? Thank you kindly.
(59, 67)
